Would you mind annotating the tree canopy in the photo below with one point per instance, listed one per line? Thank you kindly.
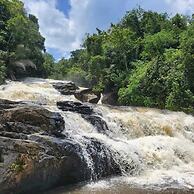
(21, 44)
(147, 59)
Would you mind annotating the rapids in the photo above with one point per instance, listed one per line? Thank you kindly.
(153, 148)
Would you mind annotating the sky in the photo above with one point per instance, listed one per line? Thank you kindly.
(64, 23)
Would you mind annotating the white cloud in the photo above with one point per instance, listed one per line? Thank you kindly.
(66, 33)
(54, 25)
(181, 6)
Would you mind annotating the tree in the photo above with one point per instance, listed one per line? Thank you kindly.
(155, 45)
(21, 43)
(48, 64)
(147, 59)
(187, 45)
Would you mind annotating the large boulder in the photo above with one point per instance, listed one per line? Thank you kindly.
(30, 119)
(39, 163)
(34, 154)
(87, 95)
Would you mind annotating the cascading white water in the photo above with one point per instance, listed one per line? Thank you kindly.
(153, 148)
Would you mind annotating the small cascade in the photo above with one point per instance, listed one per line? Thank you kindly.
(101, 97)
(148, 147)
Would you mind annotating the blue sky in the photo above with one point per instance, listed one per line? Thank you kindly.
(64, 23)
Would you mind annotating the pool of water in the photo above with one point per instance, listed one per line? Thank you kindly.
(120, 185)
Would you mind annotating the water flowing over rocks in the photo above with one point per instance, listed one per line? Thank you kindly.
(48, 139)
(35, 155)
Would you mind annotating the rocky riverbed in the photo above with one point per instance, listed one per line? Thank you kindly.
(48, 140)
(36, 155)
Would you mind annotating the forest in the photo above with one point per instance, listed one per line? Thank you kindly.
(21, 44)
(146, 59)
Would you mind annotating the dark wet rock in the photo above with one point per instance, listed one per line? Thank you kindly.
(65, 88)
(31, 166)
(75, 107)
(87, 95)
(13, 135)
(30, 119)
(86, 112)
(7, 104)
(84, 94)
(98, 123)
(25, 164)
(103, 163)
(110, 98)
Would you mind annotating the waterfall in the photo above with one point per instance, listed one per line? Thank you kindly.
(149, 147)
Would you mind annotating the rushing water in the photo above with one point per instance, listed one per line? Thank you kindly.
(153, 148)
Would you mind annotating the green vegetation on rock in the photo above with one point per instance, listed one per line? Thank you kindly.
(17, 166)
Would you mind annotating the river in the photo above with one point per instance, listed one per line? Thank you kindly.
(153, 148)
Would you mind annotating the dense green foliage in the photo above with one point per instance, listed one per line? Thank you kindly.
(21, 44)
(147, 59)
